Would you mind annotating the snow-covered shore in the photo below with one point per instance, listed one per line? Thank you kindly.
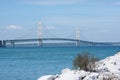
(106, 69)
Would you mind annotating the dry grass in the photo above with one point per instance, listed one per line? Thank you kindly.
(85, 61)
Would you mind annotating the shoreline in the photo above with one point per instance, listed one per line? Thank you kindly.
(106, 69)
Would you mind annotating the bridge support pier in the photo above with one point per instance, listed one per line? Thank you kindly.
(4, 43)
(92, 44)
(12, 43)
(40, 43)
(0, 43)
(77, 43)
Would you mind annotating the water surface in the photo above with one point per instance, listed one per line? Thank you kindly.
(31, 63)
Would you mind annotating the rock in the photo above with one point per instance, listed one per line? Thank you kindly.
(92, 76)
(65, 70)
(82, 74)
(109, 64)
(68, 74)
(47, 77)
(108, 76)
(106, 69)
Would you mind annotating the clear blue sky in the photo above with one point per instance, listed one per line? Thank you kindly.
(99, 20)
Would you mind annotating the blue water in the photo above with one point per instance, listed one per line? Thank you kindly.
(31, 63)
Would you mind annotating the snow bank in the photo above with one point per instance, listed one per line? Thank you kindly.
(107, 69)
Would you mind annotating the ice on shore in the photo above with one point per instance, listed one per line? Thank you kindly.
(106, 69)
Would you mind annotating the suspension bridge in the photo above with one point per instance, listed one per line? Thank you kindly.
(40, 40)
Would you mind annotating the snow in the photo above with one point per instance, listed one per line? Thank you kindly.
(47, 77)
(92, 76)
(110, 64)
(106, 69)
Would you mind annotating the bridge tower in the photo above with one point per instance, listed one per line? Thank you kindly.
(40, 34)
(78, 36)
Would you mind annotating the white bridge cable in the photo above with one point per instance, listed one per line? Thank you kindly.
(48, 33)
(11, 35)
(82, 36)
(32, 30)
(27, 33)
(2, 32)
(73, 34)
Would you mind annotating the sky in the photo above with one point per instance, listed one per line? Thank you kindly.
(98, 20)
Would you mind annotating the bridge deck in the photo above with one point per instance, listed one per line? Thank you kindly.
(44, 39)
(60, 39)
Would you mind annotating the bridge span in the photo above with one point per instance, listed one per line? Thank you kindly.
(3, 43)
(40, 40)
